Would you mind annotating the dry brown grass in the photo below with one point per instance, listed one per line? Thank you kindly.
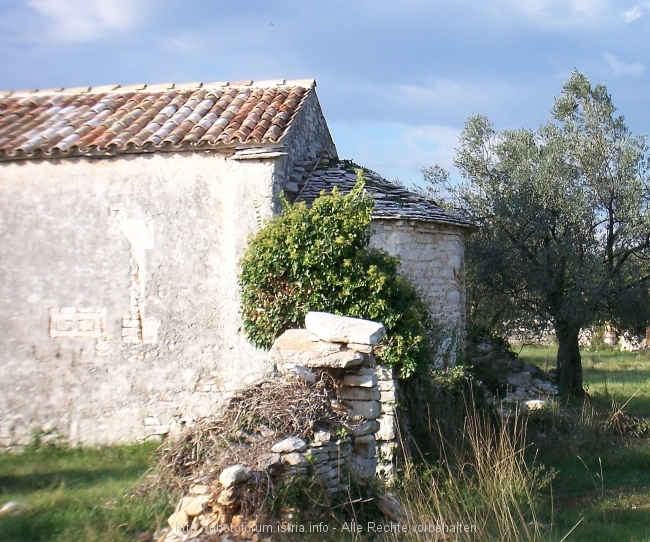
(247, 427)
(481, 481)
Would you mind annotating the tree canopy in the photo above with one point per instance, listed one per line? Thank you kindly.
(564, 220)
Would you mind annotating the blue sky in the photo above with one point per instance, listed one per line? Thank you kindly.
(396, 79)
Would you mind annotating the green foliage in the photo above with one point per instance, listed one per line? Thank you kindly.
(437, 403)
(598, 448)
(317, 259)
(82, 494)
(564, 216)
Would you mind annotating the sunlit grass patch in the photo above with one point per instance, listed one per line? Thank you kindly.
(609, 375)
(79, 494)
(605, 484)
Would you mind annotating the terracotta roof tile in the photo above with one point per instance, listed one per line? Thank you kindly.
(139, 118)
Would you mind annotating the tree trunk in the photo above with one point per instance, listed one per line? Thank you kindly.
(569, 363)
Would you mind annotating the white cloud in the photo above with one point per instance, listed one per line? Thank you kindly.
(588, 9)
(562, 13)
(432, 144)
(616, 67)
(87, 20)
(632, 14)
(396, 149)
(446, 96)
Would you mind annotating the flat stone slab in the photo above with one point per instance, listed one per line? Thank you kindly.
(387, 428)
(232, 476)
(295, 459)
(369, 410)
(365, 447)
(534, 404)
(361, 381)
(299, 347)
(384, 372)
(298, 372)
(322, 435)
(520, 380)
(363, 348)
(386, 450)
(290, 444)
(13, 508)
(179, 520)
(268, 461)
(388, 385)
(359, 394)
(193, 506)
(366, 428)
(343, 329)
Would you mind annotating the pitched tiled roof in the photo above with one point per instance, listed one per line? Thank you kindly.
(392, 201)
(110, 120)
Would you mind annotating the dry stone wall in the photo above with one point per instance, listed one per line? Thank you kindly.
(343, 347)
(340, 349)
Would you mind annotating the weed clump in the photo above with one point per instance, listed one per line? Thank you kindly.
(467, 464)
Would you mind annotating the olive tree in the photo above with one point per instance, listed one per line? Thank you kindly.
(564, 219)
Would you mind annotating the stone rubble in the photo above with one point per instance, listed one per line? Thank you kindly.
(211, 512)
(234, 475)
(509, 377)
(342, 348)
(288, 445)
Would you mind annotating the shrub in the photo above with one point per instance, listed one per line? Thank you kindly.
(436, 404)
(317, 259)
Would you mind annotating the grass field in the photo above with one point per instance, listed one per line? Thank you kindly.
(606, 484)
(79, 495)
(608, 375)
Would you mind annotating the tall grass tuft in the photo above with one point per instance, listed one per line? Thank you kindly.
(479, 481)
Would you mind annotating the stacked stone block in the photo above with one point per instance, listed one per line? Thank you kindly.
(344, 348)
(323, 458)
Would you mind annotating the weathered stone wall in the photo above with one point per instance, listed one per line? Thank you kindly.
(306, 140)
(343, 347)
(118, 292)
(433, 257)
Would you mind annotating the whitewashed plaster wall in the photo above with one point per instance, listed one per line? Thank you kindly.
(118, 292)
(433, 257)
